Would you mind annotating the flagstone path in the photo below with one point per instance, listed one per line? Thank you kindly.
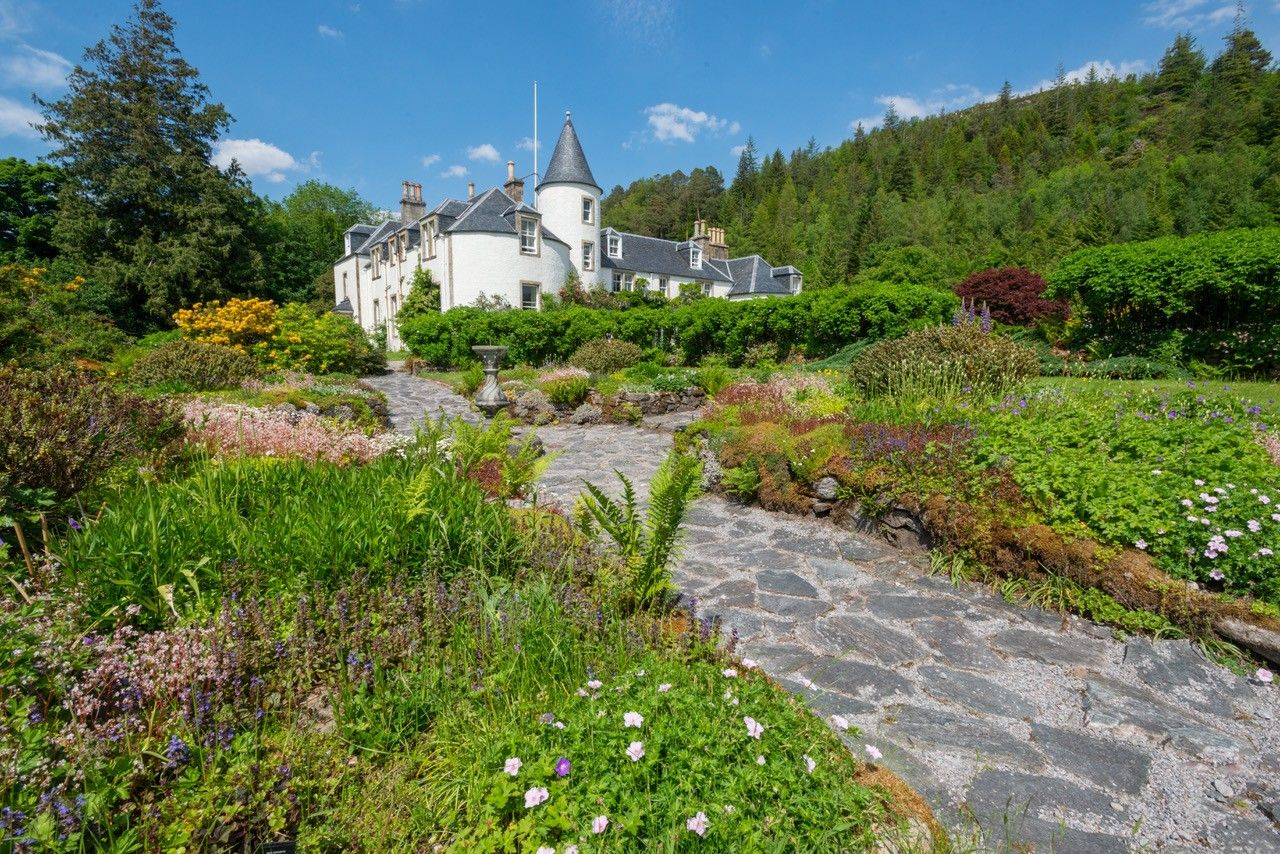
(1026, 726)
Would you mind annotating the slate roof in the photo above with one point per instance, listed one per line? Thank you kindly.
(379, 235)
(642, 254)
(568, 165)
(754, 275)
(492, 212)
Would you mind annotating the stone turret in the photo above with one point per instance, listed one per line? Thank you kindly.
(569, 200)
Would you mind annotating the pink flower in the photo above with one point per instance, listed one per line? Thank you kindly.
(729, 672)
(632, 719)
(698, 824)
(749, 663)
(582, 692)
(809, 764)
(542, 849)
(1234, 534)
(535, 796)
(754, 727)
(1216, 574)
(664, 687)
(512, 766)
(873, 752)
(1141, 544)
(760, 760)
(1265, 552)
(1255, 526)
(1264, 499)
(841, 722)
(599, 823)
(635, 750)
(1264, 676)
(595, 684)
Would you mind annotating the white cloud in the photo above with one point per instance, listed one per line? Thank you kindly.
(329, 32)
(16, 119)
(484, 151)
(670, 122)
(15, 17)
(953, 96)
(525, 143)
(455, 171)
(1187, 14)
(29, 66)
(1105, 69)
(258, 158)
(430, 160)
(737, 150)
(766, 51)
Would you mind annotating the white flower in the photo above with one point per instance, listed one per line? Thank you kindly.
(571, 849)
(698, 824)
(632, 719)
(1264, 676)
(542, 849)
(664, 687)
(841, 722)
(535, 796)
(599, 824)
(809, 764)
(595, 684)
(749, 663)
(636, 750)
(873, 751)
(639, 672)
(1140, 543)
(754, 727)
(512, 766)
(1156, 471)
(558, 725)
(582, 692)
(760, 760)
(729, 672)
(728, 808)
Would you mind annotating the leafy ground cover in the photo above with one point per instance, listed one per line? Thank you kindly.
(1091, 482)
(401, 653)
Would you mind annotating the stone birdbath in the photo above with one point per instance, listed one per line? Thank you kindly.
(490, 398)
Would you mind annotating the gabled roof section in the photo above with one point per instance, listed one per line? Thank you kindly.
(754, 275)
(642, 254)
(378, 236)
(568, 165)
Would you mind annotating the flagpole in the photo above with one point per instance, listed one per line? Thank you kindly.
(535, 143)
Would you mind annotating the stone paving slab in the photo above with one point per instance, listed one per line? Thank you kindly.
(1045, 730)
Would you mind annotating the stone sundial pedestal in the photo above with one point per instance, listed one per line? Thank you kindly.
(490, 398)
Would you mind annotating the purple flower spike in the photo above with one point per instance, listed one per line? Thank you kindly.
(75, 526)
(563, 766)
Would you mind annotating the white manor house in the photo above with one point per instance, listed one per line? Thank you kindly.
(497, 244)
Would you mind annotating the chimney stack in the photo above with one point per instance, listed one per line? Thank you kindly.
(514, 186)
(699, 238)
(411, 204)
(718, 249)
(471, 189)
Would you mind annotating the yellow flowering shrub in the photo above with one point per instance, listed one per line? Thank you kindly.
(44, 320)
(239, 323)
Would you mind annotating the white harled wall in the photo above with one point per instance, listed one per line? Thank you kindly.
(561, 209)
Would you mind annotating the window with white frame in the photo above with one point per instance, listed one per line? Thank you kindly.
(664, 285)
(615, 246)
(588, 210)
(528, 236)
(795, 283)
(695, 257)
(529, 293)
(588, 255)
(705, 287)
(622, 281)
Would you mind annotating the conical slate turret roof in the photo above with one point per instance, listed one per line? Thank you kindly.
(568, 164)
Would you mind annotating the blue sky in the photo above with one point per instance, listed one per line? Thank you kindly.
(367, 93)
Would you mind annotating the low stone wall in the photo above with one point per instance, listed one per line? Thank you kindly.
(534, 407)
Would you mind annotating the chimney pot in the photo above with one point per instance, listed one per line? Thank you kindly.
(411, 207)
(511, 170)
(471, 189)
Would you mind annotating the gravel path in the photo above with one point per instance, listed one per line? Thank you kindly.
(1027, 725)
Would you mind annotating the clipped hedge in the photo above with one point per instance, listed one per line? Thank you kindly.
(819, 322)
(606, 356)
(1211, 297)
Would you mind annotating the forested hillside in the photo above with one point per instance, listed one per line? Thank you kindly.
(1022, 180)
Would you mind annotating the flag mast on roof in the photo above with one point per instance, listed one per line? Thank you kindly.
(535, 143)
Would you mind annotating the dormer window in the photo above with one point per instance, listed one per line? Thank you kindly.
(695, 258)
(588, 210)
(528, 236)
(795, 283)
(614, 246)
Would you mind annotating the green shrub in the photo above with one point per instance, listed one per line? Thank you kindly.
(567, 391)
(760, 355)
(44, 320)
(676, 381)
(941, 362)
(64, 429)
(470, 381)
(741, 481)
(319, 342)
(193, 366)
(606, 356)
